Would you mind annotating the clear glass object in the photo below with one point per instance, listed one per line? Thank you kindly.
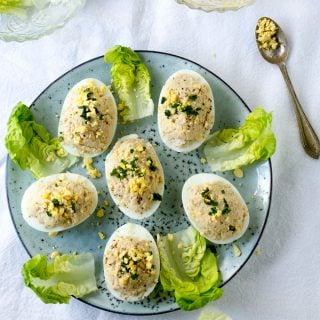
(36, 18)
(216, 5)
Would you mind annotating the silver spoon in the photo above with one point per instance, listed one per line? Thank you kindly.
(309, 139)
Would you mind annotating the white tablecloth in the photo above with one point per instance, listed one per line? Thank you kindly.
(283, 281)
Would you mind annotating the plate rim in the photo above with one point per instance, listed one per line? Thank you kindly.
(243, 102)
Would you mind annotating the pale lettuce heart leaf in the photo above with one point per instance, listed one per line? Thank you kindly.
(66, 276)
(233, 148)
(131, 79)
(30, 146)
(188, 269)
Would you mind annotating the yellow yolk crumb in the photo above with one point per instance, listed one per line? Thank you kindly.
(53, 234)
(267, 31)
(91, 170)
(101, 235)
(238, 173)
(100, 213)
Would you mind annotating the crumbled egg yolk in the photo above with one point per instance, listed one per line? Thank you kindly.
(106, 203)
(203, 160)
(91, 170)
(138, 185)
(100, 213)
(257, 252)
(60, 203)
(172, 97)
(267, 31)
(101, 235)
(53, 233)
(238, 173)
(129, 263)
(236, 250)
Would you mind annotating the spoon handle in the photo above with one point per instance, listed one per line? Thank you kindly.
(309, 139)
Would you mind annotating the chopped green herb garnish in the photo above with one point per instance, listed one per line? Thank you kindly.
(190, 111)
(226, 208)
(73, 206)
(55, 202)
(167, 113)
(213, 211)
(157, 197)
(85, 111)
(205, 192)
(193, 97)
(175, 106)
(208, 200)
(134, 276)
(232, 228)
(133, 163)
(131, 150)
(151, 165)
(163, 100)
(49, 214)
(223, 192)
(119, 173)
(90, 96)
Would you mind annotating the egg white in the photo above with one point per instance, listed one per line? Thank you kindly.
(32, 193)
(202, 178)
(140, 233)
(196, 144)
(128, 212)
(71, 96)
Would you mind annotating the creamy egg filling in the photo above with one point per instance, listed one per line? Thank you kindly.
(137, 171)
(130, 266)
(216, 210)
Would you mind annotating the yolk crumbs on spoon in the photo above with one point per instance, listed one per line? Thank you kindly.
(267, 31)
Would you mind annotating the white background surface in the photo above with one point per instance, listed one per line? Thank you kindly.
(281, 283)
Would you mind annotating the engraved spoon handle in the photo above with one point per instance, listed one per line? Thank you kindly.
(309, 139)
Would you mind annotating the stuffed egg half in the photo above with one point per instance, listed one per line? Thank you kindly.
(215, 208)
(58, 202)
(186, 111)
(135, 177)
(131, 263)
(88, 118)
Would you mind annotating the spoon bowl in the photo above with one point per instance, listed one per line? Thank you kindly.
(278, 56)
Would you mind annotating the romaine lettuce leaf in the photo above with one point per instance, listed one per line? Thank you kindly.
(210, 313)
(30, 146)
(229, 149)
(16, 7)
(67, 275)
(131, 79)
(188, 269)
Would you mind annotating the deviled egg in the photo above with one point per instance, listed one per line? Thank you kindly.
(135, 177)
(186, 111)
(131, 263)
(58, 202)
(88, 118)
(215, 208)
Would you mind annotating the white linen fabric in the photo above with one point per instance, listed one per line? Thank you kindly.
(283, 281)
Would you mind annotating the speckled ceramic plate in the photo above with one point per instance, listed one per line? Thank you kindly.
(255, 187)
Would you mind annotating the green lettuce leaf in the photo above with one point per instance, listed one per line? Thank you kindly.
(188, 269)
(16, 7)
(55, 282)
(229, 149)
(131, 79)
(30, 146)
(210, 313)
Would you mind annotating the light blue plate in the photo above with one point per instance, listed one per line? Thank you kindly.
(255, 187)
